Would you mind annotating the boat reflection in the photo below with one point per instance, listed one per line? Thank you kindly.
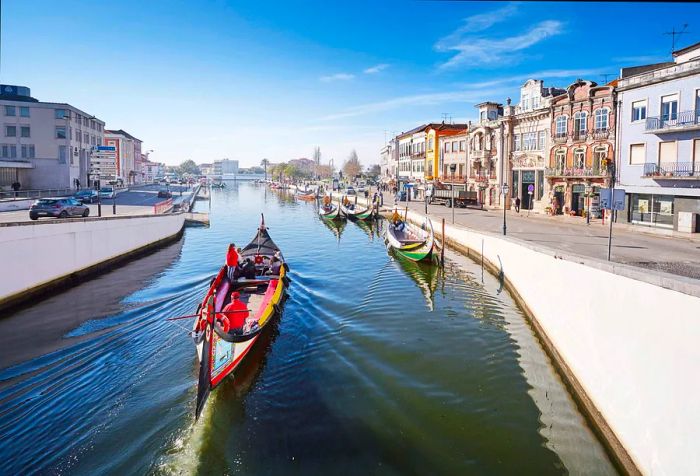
(372, 228)
(335, 226)
(425, 275)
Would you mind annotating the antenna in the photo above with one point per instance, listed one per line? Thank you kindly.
(445, 116)
(675, 33)
(605, 76)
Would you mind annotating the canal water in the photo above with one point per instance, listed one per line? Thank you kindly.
(376, 366)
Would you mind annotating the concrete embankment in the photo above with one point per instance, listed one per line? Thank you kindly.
(42, 256)
(624, 339)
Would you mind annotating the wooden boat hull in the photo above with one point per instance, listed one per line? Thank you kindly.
(332, 214)
(414, 251)
(219, 351)
(357, 214)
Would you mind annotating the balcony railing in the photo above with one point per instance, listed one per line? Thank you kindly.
(574, 172)
(683, 120)
(559, 137)
(673, 170)
(600, 134)
(480, 154)
(579, 135)
(483, 177)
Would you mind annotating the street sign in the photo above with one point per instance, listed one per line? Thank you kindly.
(530, 189)
(616, 202)
(106, 147)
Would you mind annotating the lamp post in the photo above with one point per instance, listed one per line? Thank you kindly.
(589, 189)
(453, 167)
(504, 190)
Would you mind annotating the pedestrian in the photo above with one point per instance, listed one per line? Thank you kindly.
(77, 183)
(517, 205)
(16, 185)
(366, 194)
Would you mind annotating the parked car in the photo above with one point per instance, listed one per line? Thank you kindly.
(350, 191)
(86, 195)
(164, 193)
(107, 192)
(58, 208)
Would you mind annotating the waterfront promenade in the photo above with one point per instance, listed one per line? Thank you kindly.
(631, 245)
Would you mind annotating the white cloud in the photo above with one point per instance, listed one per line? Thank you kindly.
(376, 69)
(472, 50)
(337, 77)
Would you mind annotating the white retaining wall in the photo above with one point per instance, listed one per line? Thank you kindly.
(33, 254)
(632, 344)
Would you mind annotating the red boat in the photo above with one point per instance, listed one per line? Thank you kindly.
(244, 297)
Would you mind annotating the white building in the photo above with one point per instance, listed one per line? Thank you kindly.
(389, 161)
(659, 142)
(411, 145)
(44, 144)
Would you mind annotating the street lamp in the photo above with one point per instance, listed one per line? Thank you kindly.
(589, 189)
(453, 167)
(504, 189)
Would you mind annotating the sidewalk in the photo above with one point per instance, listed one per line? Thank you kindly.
(631, 244)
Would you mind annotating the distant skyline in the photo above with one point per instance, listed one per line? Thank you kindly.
(247, 80)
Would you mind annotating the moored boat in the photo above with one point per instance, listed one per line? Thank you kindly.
(244, 297)
(329, 210)
(414, 242)
(354, 211)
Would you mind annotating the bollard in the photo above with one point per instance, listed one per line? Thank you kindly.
(114, 204)
(442, 251)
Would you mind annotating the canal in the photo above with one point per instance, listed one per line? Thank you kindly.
(376, 366)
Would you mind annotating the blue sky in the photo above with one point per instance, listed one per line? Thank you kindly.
(249, 80)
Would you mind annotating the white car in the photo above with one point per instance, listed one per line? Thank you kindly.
(107, 192)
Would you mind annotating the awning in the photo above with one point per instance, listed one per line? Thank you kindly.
(15, 164)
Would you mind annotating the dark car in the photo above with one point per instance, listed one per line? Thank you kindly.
(164, 193)
(350, 191)
(58, 208)
(86, 196)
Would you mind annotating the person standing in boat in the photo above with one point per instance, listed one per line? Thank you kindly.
(231, 262)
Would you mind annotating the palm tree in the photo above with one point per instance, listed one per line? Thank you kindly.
(265, 163)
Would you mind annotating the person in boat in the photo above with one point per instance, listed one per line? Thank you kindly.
(234, 314)
(231, 262)
(275, 265)
(397, 221)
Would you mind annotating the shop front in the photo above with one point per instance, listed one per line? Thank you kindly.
(651, 210)
(526, 181)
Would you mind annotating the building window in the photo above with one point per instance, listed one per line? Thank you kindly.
(579, 158)
(580, 122)
(10, 110)
(86, 138)
(601, 119)
(10, 131)
(24, 111)
(24, 131)
(525, 102)
(638, 154)
(668, 152)
(669, 108)
(639, 111)
(516, 139)
(462, 144)
(454, 146)
(61, 154)
(27, 151)
(560, 123)
(599, 156)
(59, 113)
(60, 132)
(482, 116)
(560, 160)
(541, 140)
(529, 141)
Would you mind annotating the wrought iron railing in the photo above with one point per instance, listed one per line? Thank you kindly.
(559, 137)
(599, 134)
(574, 172)
(579, 135)
(679, 121)
(673, 169)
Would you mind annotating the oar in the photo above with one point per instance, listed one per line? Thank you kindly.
(216, 312)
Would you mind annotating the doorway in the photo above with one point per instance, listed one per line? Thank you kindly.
(528, 178)
(578, 193)
(558, 199)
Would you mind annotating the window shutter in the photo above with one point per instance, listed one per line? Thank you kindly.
(667, 152)
(637, 154)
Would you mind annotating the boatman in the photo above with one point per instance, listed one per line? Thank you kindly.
(231, 262)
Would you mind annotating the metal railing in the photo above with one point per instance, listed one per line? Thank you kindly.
(673, 170)
(680, 121)
(579, 135)
(33, 194)
(162, 207)
(560, 137)
(574, 172)
(599, 134)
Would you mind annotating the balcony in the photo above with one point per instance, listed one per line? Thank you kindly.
(673, 170)
(559, 138)
(601, 134)
(684, 121)
(480, 154)
(579, 136)
(482, 177)
(574, 172)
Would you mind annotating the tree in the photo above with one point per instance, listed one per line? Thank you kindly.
(317, 155)
(374, 170)
(265, 163)
(324, 171)
(352, 166)
(188, 167)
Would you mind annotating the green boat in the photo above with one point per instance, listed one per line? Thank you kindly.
(416, 243)
(355, 212)
(329, 211)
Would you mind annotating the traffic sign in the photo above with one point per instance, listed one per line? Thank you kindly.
(106, 147)
(530, 189)
(616, 202)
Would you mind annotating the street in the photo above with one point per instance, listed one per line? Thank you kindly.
(138, 201)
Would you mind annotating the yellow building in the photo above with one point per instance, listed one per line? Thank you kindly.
(433, 132)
